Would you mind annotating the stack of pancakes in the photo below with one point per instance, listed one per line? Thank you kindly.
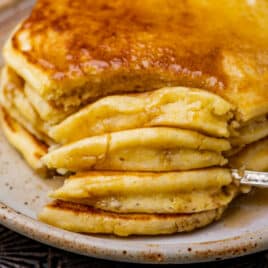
(141, 106)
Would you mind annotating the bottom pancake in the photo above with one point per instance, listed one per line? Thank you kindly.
(86, 219)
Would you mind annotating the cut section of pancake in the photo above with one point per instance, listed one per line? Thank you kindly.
(31, 149)
(145, 149)
(252, 157)
(86, 219)
(252, 131)
(48, 113)
(175, 107)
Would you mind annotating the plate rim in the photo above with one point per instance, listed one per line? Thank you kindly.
(248, 243)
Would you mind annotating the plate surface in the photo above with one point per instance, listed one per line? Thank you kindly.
(243, 230)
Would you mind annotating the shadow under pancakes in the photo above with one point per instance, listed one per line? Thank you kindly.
(245, 208)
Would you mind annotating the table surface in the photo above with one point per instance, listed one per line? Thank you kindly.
(18, 251)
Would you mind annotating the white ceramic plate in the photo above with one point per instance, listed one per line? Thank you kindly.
(243, 230)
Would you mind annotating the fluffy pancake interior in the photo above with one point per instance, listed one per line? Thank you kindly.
(250, 132)
(85, 219)
(47, 112)
(253, 157)
(177, 107)
(140, 149)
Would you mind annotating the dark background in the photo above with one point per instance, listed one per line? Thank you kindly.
(18, 251)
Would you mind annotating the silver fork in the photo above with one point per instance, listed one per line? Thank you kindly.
(253, 178)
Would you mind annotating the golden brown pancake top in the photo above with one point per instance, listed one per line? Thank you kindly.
(217, 45)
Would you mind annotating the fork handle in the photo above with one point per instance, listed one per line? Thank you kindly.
(254, 178)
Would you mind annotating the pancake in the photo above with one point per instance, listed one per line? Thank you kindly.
(197, 201)
(106, 183)
(145, 149)
(70, 56)
(252, 157)
(130, 192)
(36, 133)
(30, 148)
(49, 114)
(13, 99)
(250, 132)
(186, 108)
(86, 219)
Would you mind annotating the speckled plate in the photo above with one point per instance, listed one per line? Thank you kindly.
(243, 230)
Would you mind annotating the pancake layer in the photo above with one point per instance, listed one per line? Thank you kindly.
(147, 149)
(86, 219)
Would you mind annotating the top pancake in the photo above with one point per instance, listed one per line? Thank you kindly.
(71, 55)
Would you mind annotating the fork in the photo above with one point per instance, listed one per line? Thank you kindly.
(252, 178)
